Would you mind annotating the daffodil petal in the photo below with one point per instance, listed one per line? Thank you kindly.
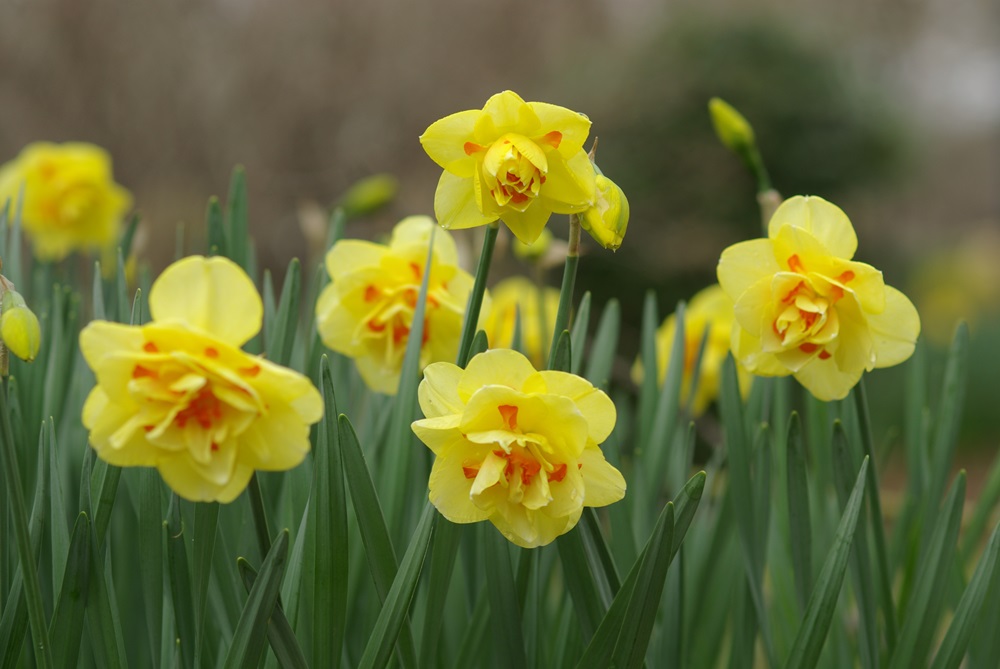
(570, 181)
(744, 264)
(826, 381)
(505, 112)
(438, 393)
(825, 221)
(895, 329)
(350, 255)
(455, 204)
(596, 407)
(573, 127)
(604, 484)
(211, 294)
(498, 367)
(450, 488)
(527, 225)
(445, 142)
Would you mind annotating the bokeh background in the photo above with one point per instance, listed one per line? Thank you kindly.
(889, 109)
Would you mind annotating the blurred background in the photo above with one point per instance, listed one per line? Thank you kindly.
(889, 109)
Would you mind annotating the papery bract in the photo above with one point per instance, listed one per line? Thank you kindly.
(712, 310)
(71, 201)
(180, 395)
(803, 307)
(513, 160)
(516, 446)
(536, 306)
(367, 311)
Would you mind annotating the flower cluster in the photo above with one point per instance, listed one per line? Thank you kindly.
(180, 395)
(367, 311)
(803, 307)
(70, 200)
(516, 446)
(520, 162)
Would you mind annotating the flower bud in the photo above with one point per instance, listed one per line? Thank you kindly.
(369, 194)
(607, 220)
(731, 127)
(20, 331)
(537, 249)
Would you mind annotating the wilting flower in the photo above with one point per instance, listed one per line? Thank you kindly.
(537, 308)
(71, 201)
(607, 220)
(515, 446)
(712, 310)
(513, 160)
(803, 307)
(180, 395)
(367, 312)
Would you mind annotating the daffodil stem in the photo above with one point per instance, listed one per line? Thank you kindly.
(568, 283)
(32, 588)
(259, 516)
(875, 507)
(476, 297)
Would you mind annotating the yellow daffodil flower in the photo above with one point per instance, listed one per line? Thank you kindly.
(520, 295)
(710, 308)
(515, 446)
(607, 220)
(180, 395)
(803, 307)
(367, 311)
(513, 160)
(71, 201)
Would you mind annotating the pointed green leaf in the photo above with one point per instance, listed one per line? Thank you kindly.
(561, 357)
(823, 601)
(237, 220)
(578, 335)
(180, 583)
(206, 523)
(66, 629)
(474, 306)
(479, 344)
(799, 523)
(251, 630)
(286, 320)
(505, 610)
(279, 632)
(605, 346)
(217, 245)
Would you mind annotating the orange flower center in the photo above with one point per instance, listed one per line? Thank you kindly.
(514, 167)
(390, 319)
(806, 317)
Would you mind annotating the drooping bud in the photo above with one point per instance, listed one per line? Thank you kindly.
(369, 194)
(19, 327)
(607, 220)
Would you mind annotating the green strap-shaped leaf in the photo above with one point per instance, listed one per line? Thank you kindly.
(279, 632)
(180, 583)
(479, 344)
(475, 303)
(562, 355)
(471, 647)
(927, 601)
(823, 601)
(103, 619)
(374, 532)
(578, 335)
(605, 346)
(206, 523)
(215, 225)
(656, 450)
(237, 220)
(442, 564)
(956, 640)
(565, 306)
(588, 597)
(251, 630)
(392, 617)
(648, 393)
(328, 527)
(150, 555)
(505, 610)
(799, 522)
(286, 320)
(66, 629)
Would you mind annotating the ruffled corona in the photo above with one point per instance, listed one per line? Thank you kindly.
(516, 446)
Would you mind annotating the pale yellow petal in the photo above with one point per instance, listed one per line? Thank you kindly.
(411, 236)
(753, 303)
(441, 433)
(572, 126)
(596, 407)
(445, 142)
(455, 204)
(748, 352)
(505, 112)
(895, 330)
(825, 221)
(277, 441)
(571, 181)
(211, 294)
(531, 529)
(826, 381)
(603, 484)
(438, 392)
(744, 264)
(377, 375)
(499, 367)
(527, 225)
(99, 339)
(351, 255)
(450, 488)
(182, 474)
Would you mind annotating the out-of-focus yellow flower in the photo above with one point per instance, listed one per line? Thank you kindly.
(607, 220)
(515, 446)
(19, 327)
(180, 395)
(710, 308)
(803, 307)
(537, 308)
(71, 201)
(367, 312)
(536, 250)
(513, 160)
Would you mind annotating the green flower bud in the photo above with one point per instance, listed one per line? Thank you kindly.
(20, 332)
(732, 129)
(369, 194)
(607, 220)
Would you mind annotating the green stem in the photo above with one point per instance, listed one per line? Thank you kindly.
(568, 283)
(259, 516)
(32, 588)
(476, 297)
(875, 509)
